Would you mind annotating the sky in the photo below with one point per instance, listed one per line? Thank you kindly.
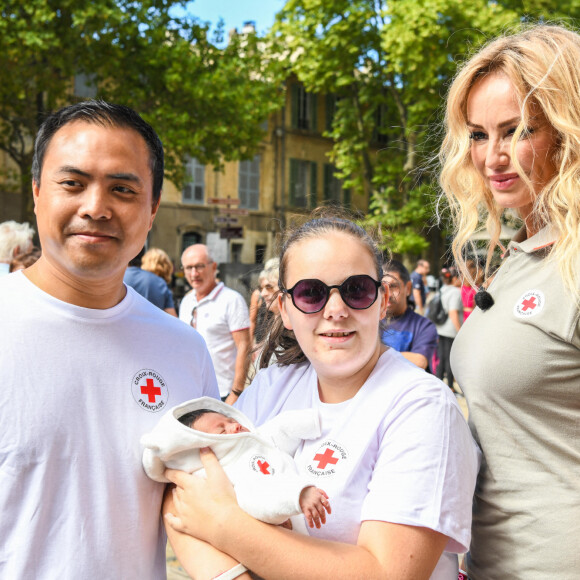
(236, 12)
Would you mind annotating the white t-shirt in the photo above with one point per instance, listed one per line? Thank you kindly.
(399, 451)
(80, 387)
(217, 315)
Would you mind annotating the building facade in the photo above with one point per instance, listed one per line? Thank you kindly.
(240, 212)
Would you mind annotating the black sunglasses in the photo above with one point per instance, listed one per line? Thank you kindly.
(357, 292)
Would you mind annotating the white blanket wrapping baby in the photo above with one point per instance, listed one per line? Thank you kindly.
(259, 464)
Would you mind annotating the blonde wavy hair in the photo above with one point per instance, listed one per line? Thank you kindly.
(157, 261)
(543, 64)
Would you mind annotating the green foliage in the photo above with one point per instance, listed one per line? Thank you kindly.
(203, 101)
(389, 64)
(399, 220)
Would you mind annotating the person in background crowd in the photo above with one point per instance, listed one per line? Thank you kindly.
(88, 363)
(24, 260)
(451, 301)
(221, 316)
(418, 282)
(413, 335)
(157, 261)
(513, 142)
(468, 290)
(149, 285)
(15, 239)
(395, 453)
(269, 293)
(260, 312)
(269, 288)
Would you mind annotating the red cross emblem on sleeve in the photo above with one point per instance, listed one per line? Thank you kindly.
(260, 464)
(529, 304)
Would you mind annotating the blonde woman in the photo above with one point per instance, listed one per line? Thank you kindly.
(147, 275)
(513, 141)
(157, 261)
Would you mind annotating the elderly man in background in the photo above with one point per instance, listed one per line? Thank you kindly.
(15, 239)
(221, 316)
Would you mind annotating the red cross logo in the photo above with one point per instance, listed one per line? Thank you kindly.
(150, 390)
(325, 458)
(263, 465)
(529, 303)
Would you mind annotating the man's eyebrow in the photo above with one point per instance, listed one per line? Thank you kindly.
(123, 176)
(503, 124)
(73, 170)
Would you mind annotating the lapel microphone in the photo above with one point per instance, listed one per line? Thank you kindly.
(484, 299)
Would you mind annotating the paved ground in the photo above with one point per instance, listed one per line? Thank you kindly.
(176, 572)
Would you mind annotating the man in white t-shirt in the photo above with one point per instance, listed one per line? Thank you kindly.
(87, 363)
(221, 316)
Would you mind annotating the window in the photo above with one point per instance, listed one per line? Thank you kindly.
(85, 86)
(189, 239)
(333, 190)
(304, 108)
(194, 188)
(237, 253)
(303, 181)
(259, 253)
(331, 102)
(249, 183)
(380, 116)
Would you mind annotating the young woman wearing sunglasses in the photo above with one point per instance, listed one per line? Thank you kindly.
(394, 453)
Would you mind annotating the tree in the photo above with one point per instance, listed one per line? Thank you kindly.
(203, 101)
(388, 64)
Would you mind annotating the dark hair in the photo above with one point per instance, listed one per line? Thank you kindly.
(105, 114)
(447, 274)
(280, 341)
(399, 268)
(190, 418)
(136, 261)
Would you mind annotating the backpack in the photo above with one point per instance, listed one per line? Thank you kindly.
(435, 311)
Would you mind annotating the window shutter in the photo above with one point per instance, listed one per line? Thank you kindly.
(293, 181)
(313, 184)
(346, 197)
(313, 103)
(188, 193)
(294, 105)
(328, 170)
(329, 111)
